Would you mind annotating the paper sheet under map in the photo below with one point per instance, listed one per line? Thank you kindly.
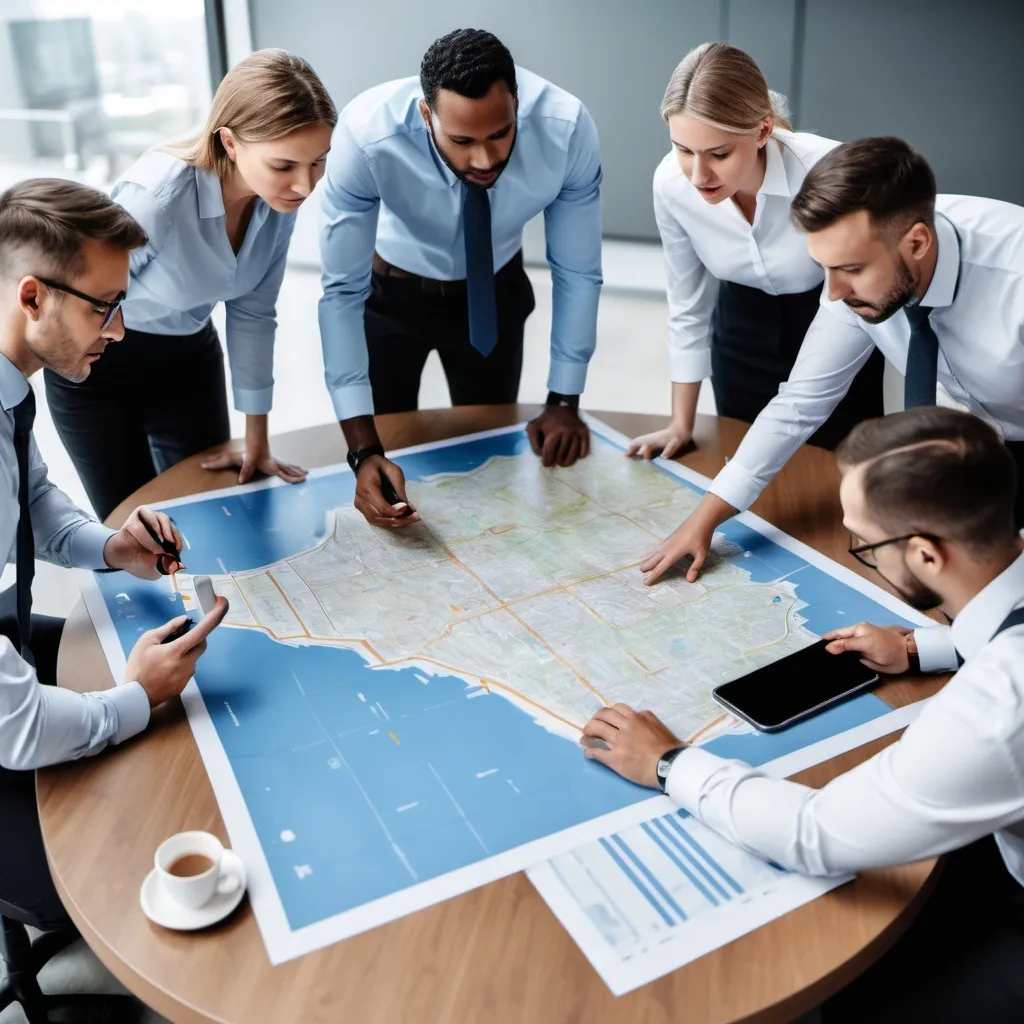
(391, 717)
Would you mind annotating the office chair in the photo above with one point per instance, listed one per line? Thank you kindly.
(23, 959)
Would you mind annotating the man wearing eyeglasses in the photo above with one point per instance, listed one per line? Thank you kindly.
(64, 254)
(928, 496)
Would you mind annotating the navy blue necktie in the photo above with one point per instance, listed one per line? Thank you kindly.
(476, 229)
(25, 562)
(922, 360)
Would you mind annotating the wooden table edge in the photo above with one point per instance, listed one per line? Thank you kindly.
(181, 1011)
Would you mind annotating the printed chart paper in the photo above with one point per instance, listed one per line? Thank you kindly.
(645, 902)
(391, 717)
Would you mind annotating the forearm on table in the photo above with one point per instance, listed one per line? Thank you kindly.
(684, 403)
(360, 432)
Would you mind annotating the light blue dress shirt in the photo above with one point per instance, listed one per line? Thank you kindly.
(387, 187)
(42, 725)
(189, 266)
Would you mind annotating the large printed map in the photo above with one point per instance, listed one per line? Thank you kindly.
(390, 717)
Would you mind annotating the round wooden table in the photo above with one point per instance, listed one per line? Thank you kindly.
(496, 953)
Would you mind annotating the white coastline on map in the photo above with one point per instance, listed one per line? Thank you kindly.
(524, 582)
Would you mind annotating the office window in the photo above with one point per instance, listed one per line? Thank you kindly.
(86, 86)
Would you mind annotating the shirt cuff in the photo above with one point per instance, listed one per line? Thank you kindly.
(935, 650)
(689, 365)
(87, 545)
(352, 400)
(131, 705)
(565, 378)
(690, 773)
(253, 403)
(736, 486)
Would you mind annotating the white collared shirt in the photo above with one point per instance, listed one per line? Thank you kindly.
(41, 725)
(704, 244)
(957, 773)
(977, 297)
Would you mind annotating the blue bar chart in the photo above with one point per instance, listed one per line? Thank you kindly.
(649, 899)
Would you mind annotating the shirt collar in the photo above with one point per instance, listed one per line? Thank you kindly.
(942, 290)
(775, 182)
(451, 179)
(13, 384)
(981, 616)
(211, 199)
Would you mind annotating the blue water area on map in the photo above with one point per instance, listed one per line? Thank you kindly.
(361, 782)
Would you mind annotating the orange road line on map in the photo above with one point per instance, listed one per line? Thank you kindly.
(611, 511)
(700, 732)
(291, 607)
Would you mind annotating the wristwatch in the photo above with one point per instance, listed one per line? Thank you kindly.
(665, 764)
(357, 458)
(563, 401)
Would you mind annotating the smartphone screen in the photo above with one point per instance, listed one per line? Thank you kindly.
(794, 687)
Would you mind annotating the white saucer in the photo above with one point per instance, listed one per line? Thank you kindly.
(162, 909)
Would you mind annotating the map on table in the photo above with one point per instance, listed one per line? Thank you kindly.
(391, 717)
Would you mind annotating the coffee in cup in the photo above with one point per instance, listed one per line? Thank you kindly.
(189, 867)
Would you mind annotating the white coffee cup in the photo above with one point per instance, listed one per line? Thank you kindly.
(196, 887)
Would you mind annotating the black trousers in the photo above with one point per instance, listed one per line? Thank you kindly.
(960, 962)
(149, 402)
(404, 324)
(24, 876)
(756, 338)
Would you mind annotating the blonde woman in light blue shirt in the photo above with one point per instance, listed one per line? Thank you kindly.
(219, 210)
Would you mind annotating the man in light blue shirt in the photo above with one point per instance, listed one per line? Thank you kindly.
(429, 184)
(64, 251)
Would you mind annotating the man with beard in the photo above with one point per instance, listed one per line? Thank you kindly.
(429, 184)
(928, 497)
(64, 251)
(936, 283)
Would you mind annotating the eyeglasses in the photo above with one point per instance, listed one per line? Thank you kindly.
(860, 550)
(110, 305)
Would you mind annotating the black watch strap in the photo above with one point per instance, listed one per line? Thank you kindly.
(563, 401)
(357, 458)
(665, 764)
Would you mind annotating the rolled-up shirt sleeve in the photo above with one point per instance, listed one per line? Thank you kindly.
(692, 293)
(953, 777)
(251, 323)
(832, 354)
(572, 224)
(351, 204)
(43, 725)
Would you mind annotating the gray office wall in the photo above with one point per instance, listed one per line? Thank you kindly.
(945, 74)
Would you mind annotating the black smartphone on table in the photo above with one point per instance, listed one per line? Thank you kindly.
(795, 687)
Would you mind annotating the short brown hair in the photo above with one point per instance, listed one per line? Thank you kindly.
(936, 471)
(884, 176)
(45, 221)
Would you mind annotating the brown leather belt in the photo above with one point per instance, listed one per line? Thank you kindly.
(430, 285)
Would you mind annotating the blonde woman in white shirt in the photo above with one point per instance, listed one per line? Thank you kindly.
(742, 288)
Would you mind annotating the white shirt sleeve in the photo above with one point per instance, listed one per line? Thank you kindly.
(935, 649)
(957, 774)
(831, 356)
(43, 725)
(692, 294)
